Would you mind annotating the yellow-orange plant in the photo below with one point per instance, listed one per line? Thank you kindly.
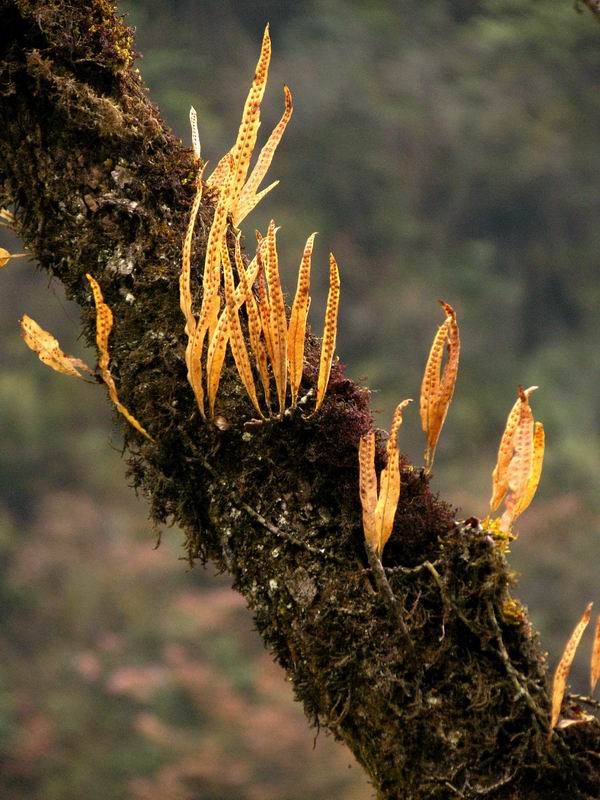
(379, 506)
(519, 464)
(564, 667)
(49, 352)
(437, 387)
(277, 346)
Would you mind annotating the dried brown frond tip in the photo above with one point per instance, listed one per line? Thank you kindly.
(104, 322)
(48, 349)
(437, 387)
(561, 675)
(379, 508)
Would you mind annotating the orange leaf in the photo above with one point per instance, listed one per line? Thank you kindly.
(48, 349)
(5, 256)
(246, 138)
(437, 389)
(185, 293)
(298, 317)
(236, 340)
(524, 501)
(389, 484)
(195, 134)
(506, 449)
(254, 323)
(249, 197)
(595, 663)
(368, 487)
(104, 322)
(277, 318)
(564, 667)
(211, 302)
(329, 332)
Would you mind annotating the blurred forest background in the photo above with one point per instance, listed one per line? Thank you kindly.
(448, 149)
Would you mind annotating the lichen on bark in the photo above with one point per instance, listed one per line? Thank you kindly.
(451, 704)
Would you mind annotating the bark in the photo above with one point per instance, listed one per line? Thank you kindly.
(427, 669)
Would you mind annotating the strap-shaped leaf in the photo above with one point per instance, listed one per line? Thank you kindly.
(254, 324)
(564, 667)
(595, 662)
(368, 487)
(437, 389)
(195, 135)
(236, 336)
(250, 196)
(389, 484)
(246, 138)
(104, 322)
(49, 352)
(329, 332)
(211, 302)
(277, 317)
(524, 501)
(185, 292)
(506, 449)
(298, 317)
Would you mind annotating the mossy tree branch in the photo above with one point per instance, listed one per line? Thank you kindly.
(99, 185)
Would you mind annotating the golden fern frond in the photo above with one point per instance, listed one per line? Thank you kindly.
(506, 449)
(254, 323)
(219, 175)
(246, 206)
(368, 487)
(298, 317)
(389, 484)
(246, 138)
(185, 292)
(236, 336)
(195, 135)
(250, 196)
(523, 502)
(104, 323)
(595, 662)
(277, 317)
(217, 347)
(564, 667)
(49, 352)
(329, 333)
(437, 389)
(211, 302)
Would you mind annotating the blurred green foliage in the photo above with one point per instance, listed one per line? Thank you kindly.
(447, 149)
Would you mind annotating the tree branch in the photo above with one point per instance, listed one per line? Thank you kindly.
(99, 185)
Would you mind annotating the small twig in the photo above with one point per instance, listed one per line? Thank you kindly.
(447, 600)
(413, 570)
(516, 677)
(385, 588)
(283, 534)
(289, 537)
(582, 698)
(483, 790)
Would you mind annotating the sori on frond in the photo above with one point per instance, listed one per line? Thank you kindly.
(519, 463)
(437, 387)
(379, 505)
(277, 348)
(561, 674)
